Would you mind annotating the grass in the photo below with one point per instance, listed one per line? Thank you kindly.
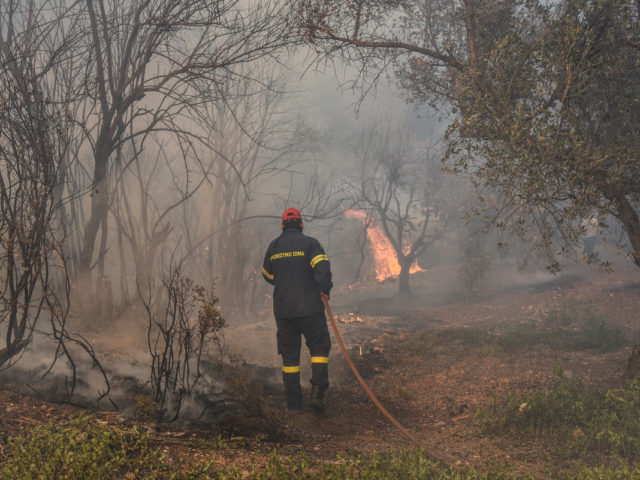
(582, 423)
(80, 449)
(405, 464)
(566, 330)
(216, 442)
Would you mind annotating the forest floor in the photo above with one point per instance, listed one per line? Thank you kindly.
(436, 360)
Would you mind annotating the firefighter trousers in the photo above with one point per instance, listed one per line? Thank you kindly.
(316, 334)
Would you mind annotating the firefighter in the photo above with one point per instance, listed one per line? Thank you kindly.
(299, 269)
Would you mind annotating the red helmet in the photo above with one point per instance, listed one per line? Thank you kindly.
(291, 214)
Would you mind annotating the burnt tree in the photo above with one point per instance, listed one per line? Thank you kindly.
(33, 143)
(150, 66)
(36, 65)
(398, 185)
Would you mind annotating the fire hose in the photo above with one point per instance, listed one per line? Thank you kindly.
(362, 383)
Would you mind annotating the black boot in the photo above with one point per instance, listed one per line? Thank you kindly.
(317, 398)
(293, 391)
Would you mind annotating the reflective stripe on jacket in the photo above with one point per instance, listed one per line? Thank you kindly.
(299, 268)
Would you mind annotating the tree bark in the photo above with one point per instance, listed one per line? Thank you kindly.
(629, 218)
(403, 279)
(633, 364)
(12, 350)
(99, 209)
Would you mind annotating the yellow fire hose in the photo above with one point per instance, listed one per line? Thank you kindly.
(362, 383)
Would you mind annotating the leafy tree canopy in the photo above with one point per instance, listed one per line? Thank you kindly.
(544, 96)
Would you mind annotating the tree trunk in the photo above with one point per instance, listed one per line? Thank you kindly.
(633, 364)
(99, 209)
(629, 218)
(403, 280)
(12, 350)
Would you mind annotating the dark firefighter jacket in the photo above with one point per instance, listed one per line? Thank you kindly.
(299, 268)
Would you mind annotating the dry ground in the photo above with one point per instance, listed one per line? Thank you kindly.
(436, 399)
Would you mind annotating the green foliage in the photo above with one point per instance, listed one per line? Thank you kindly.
(78, 450)
(217, 442)
(623, 472)
(406, 465)
(560, 330)
(145, 409)
(583, 423)
(548, 122)
(592, 331)
(544, 99)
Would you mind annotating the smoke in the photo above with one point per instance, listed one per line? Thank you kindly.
(218, 210)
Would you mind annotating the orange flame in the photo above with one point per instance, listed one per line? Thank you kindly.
(384, 255)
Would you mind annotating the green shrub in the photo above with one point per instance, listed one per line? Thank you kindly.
(79, 450)
(584, 423)
(597, 335)
(589, 330)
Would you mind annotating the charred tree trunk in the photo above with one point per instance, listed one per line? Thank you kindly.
(629, 218)
(633, 364)
(99, 210)
(403, 280)
(89, 302)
